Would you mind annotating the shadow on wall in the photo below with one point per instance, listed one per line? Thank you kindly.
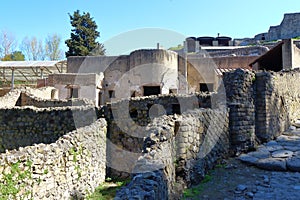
(20, 127)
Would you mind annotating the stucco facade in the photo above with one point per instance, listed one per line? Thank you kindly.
(70, 85)
(142, 73)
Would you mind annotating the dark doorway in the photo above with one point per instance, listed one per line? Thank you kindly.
(151, 90)
(73, 92)
(111, 94)
(100, 99)
(176, 109)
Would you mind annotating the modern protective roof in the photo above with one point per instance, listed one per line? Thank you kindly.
(30, 71)
(29, 64)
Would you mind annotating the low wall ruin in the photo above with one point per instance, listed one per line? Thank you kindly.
(20, 127)
(28, 99)
(277, 102)
(178, 151)
(127, 120)
(70, 167)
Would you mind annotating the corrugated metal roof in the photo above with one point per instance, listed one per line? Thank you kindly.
(28, 64)
(220, 71)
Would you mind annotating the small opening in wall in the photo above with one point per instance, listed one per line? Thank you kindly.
(176, 109)
(111, 94)
(151, 90)
(73, 92)
(206, 87)
(100, 98)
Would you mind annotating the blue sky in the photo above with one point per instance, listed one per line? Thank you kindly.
(128, 24)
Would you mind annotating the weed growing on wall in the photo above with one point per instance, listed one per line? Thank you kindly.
(9, 184)
(76, 153)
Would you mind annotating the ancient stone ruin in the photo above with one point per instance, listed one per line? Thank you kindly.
(65, 148)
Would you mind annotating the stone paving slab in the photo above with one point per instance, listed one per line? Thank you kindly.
(282, 154)
(244, 182)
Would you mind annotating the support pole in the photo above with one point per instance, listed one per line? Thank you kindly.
(42, 73)
(12, 78)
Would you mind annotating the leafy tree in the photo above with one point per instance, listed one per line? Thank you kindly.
(18, 56)
(53, 52)
(83, 36)
(15, 56)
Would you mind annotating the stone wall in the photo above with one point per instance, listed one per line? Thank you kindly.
(277, 102)
(127, 120)
(203, 70)
(288, 28)
(10, 99)
(44, 92)
(262, 105)
(89, 64)
(27, 99)
(68, 168)
(20, 127)
(179, 149)
(87, 85)
(241, 52)
(128, 75)
(177, 152)
(240, 100)
(202, 137)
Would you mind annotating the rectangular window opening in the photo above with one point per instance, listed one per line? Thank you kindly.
(151, 90)
(206, 87)
(111, 94)
(73, 92)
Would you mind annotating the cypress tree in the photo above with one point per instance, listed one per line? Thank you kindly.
(83, 36)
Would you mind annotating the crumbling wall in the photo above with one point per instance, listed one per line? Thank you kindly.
(27, 99)
(266, 102)
(204, 69)
(68, 168)
(44, 92)
(202, 137)
(22, 126)
(278, 102)
(10, 99)
(288, 28)
(127, 120)
(177, 152)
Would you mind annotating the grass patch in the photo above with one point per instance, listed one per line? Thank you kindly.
(196, 191)
(218, 166)
(178, 47)
(107, 190)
